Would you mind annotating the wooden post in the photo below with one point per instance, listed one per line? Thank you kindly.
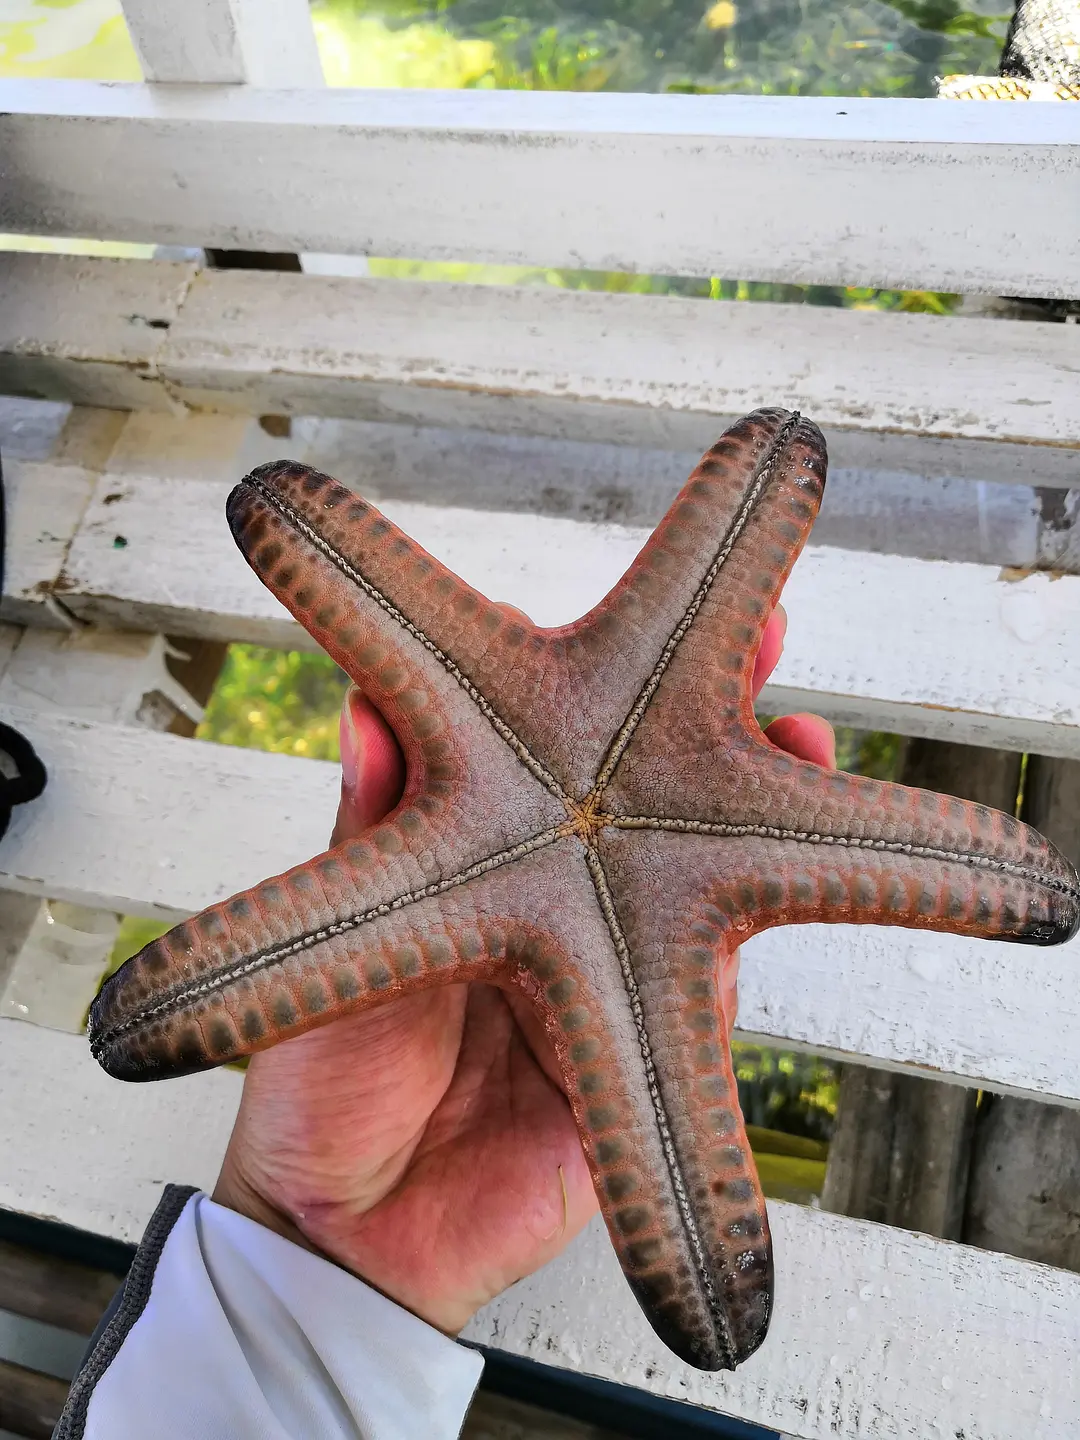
(901, 1147)
(269, 43)
(30, 1403)
(1025, 1170)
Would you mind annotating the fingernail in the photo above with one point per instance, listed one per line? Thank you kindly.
(349, 741)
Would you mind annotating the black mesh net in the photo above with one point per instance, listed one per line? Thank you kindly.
(1043, 42)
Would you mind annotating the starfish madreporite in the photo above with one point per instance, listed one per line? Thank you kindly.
(591, 814)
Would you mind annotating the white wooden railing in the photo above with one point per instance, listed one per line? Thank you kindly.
(527, 436)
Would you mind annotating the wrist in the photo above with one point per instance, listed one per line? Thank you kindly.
(236, 1193)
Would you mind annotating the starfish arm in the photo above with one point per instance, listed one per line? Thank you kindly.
(716, 1299)
(885, 853)
(365, 923)
(717, 563)
(293, 524)
(751, 883)
(398, 622)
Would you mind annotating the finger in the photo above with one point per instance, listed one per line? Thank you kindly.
(807, 737)
(513, 611)
(729, 989)
(372, 767)
(770, 649)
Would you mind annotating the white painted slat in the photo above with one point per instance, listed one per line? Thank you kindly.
(157, 825)
(10, 635)
(45, 503)
(881, 510)
(256, 42)
(323, 345)
(88, 330)
(111, 676)
(916, 393)
(810, 190)
(152, 792)
(949, 650)
(83, 1150)
(877, 1333)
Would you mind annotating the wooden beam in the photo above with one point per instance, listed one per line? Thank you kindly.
(921, 394)
(30, 1402)
(115, 336)
(269, 43)
(53, 1291)
(912, 1331)
(156, 825)
(944, 517)
(92, 1153)
(1026, 1164)
(901, 1148)
(944, 664)
(822, 191)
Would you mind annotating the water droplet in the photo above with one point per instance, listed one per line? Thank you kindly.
(946, 1382)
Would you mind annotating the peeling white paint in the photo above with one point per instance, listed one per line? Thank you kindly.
(825, 192)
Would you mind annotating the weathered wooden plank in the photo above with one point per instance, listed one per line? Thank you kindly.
(879, 1332)
(947, 518)
(877, 1328)
(943, 663)
(280, 809)
(161, 826)
(103, 675)
(494, 1417)
(255, 42)
(900, 1149)
(28, 428)
(30, 1402)
(824, 191)
(87, 1152)
(943, 518)
(87, 330)
(45, 503)
(51, 1290)
(259, 342)
(918, 393)
(1026, 1163)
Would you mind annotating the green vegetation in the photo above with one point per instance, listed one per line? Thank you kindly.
(760, 47)
(288, 702)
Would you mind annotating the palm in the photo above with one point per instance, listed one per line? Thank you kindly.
(427, 1145)
(421, 1144)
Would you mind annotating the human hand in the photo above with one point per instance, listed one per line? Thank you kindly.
(427, 1145)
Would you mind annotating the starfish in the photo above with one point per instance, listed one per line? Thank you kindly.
(592, 816)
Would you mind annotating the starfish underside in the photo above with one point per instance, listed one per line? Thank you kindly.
(593, 816)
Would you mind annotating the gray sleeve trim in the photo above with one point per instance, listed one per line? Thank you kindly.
(130, 1304)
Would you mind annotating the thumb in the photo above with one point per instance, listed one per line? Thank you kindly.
(372, 767)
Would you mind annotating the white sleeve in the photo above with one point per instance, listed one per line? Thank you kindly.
(224, 1329)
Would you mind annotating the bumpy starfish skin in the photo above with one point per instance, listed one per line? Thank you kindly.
(593, 815)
